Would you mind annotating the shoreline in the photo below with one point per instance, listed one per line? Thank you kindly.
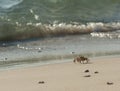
(64, 77)
(50, 62)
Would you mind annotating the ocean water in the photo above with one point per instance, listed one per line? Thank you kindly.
(34, 31)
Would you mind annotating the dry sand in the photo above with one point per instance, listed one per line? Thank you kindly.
(64, 77)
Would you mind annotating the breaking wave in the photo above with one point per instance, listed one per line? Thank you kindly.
(23, 19)
(19, 31)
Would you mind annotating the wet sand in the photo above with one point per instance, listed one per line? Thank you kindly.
(103, 75)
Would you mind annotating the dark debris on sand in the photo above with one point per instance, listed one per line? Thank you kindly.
(87, 76)
(96, 72)
(86, 71)
(109, 83)
(41, 82)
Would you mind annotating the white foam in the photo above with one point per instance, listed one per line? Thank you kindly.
(105, 35)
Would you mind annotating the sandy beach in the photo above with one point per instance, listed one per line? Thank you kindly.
(65, 77)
